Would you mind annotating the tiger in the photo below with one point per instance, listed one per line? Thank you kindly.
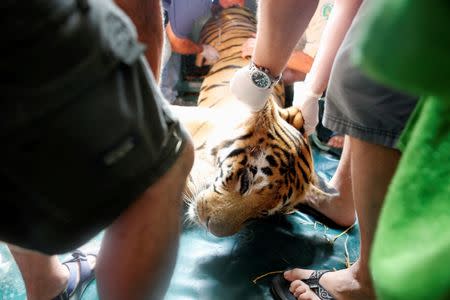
(248, 165)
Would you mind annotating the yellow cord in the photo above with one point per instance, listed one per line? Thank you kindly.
(264, 275)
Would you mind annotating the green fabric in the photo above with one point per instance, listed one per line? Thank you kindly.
(411, 253)
(405, 43)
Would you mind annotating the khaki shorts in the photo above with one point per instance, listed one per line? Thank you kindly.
(360, 107)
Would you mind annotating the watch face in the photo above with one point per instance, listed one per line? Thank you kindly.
(260, 79)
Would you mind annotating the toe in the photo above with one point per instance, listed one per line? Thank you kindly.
(299, 290)
(294, 285)
(308, 295)
(297, 274)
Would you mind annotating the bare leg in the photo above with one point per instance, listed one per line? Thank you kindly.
(44, 276)
(372, 168)
(340, 209)
(138, 252)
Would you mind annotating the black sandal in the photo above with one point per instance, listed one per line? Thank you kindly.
(280, 287)
(316, 287)
(78, 268)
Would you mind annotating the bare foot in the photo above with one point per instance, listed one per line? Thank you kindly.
(346, 284)
(336, 141)
(340, 207)
(337, 208)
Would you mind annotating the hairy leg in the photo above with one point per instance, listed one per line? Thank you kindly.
(372, 168)
(138, 251)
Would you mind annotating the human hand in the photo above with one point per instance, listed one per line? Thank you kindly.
(210, 54)
(247, 92)
(247, 47)
(307, 102)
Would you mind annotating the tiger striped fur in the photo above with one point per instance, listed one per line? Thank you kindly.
(248, 165)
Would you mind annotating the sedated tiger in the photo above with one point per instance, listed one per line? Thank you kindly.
(247, 165)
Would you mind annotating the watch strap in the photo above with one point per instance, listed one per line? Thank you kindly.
(273, 79)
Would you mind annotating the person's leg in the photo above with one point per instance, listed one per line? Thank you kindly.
(372, 167)
(340, 208)
(145, 234)
(138, 251)
(44, 276)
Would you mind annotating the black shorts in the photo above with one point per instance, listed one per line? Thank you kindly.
(83, 132)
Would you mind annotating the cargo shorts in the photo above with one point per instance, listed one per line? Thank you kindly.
(83, 125)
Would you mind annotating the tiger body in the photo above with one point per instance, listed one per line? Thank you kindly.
(248, 165)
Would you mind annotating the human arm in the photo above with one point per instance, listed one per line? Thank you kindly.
(280, 26)
(149, 26)
(182, 45)
(306, 96)
(186, 46)
(337, 26)
(298, 61)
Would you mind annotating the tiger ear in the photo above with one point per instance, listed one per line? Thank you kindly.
(293, 116)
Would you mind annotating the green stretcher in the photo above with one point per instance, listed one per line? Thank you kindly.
(236, 267)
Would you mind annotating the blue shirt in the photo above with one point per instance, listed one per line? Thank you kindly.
(184, 13)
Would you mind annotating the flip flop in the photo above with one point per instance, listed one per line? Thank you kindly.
(322, 135)
(280, 287)
(78, 265)
(316, 287)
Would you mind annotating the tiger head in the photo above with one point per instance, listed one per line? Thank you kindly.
(263, 168)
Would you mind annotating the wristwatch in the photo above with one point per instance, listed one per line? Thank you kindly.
(261, 76)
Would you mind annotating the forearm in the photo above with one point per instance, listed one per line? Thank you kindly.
(147, 17)
(337, 26)
(181, 45)
(300, 61)
(280, 26)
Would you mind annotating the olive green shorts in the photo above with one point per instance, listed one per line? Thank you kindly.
(84, 128)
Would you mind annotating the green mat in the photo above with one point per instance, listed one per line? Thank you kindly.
(224, 268)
